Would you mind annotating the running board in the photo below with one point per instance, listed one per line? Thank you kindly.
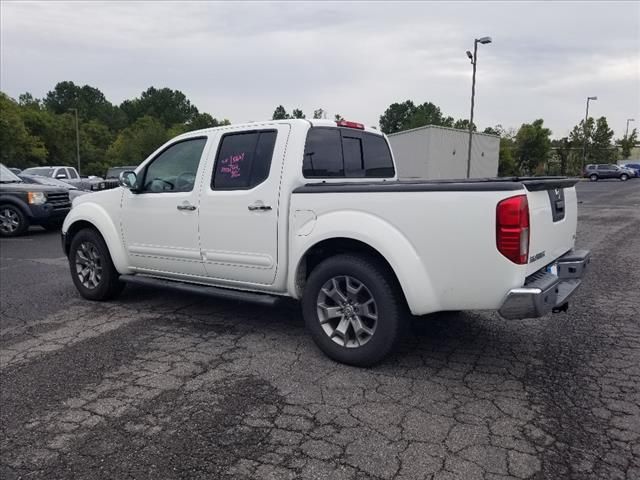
(239, 295)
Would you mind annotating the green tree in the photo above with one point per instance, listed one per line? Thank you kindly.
(627, 143)
(280, 113)
(602, 145)
(507, 166)
(532, 146)
(406, 115)
(318, 113)
(18, 147)
(577, 138)
(463, 124)
(563, 149)
(168, 106)
(297, 113)
(338, 118)
(136, 142)
(95, 139)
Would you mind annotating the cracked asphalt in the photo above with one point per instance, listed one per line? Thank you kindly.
(161, 384)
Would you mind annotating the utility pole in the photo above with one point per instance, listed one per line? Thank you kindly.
(474, 62)
(77, 138)
(584, 130)
(626, 133)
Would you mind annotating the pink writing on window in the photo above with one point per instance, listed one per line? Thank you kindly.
(231, 165)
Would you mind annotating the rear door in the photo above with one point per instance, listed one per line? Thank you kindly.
(553, 216)
(239, 206)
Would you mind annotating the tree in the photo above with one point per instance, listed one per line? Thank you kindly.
(563, 149)
(532, 145)
(18, 147)
(168, 106)
(338, 118)
(297, 113)
(627, 143)
(506, 164)
(603, 149)
(463, 124)
(406, 115)
(136, 142)
(318, 114)
(577, 137)
(27, 100)
(280, 113)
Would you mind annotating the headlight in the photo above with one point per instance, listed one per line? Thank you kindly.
(37, 198)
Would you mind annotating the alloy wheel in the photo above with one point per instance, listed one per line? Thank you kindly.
(9, 220)
(347, 311)
(88, 265)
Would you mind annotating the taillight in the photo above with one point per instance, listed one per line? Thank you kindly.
(512, 228)
(348, 124)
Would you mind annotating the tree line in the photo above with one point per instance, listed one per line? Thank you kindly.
(36, 132)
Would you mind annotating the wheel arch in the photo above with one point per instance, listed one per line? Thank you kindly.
(17, 202)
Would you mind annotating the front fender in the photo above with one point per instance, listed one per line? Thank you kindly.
(384, 238)
(97, 216)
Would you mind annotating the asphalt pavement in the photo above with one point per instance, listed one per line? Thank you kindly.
(161, 384)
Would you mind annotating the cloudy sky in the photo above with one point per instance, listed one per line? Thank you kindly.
(240, 60)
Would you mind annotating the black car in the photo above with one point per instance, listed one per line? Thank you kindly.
(23, 204)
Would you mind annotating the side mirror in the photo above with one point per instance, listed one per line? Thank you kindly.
(128, 180)
(61, 176)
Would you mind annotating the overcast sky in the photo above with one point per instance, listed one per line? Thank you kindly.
(241, 60)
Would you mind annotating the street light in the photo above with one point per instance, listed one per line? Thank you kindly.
(584, 131)
(77, 139)
(474, 60)
(626, 133)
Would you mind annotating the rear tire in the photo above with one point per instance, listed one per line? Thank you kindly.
(354, 309)
(593, 178)
(91, 267)
(624, 177)
(12, 221)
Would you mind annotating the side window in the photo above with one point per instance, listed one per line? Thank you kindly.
(378, 162)
(243, 159)
(174, 170)
(323, 153)
(72, 173)
(61, 173)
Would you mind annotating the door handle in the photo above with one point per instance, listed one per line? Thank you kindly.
(187, 207)
(259, 206)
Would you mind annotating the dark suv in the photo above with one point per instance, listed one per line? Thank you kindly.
(23, 204)
(607, 170)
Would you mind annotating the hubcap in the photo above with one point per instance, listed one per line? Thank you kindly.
(9, 220)
(88, 265)
(347, 311)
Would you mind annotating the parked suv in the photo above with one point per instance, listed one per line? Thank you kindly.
(608, 170)
(633, 166)
(23, 204)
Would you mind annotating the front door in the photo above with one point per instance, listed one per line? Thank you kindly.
(239, 206)
(160, 223)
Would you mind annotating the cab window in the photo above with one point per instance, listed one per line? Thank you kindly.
(175, 168)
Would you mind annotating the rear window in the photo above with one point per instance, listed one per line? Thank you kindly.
(244, 159)
(346, 152)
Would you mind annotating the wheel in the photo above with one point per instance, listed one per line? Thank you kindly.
(624, 177)
(353, 309)
(12, 221)
(593, 177)
(91, 267)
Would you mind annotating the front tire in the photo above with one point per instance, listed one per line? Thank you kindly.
(593, 178)
(91, 267)
(624, 177)
(12, 221)
(354, 309)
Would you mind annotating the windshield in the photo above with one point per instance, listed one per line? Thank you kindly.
(7, 176)
(44, 172)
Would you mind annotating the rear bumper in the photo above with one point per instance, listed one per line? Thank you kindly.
(548, 289)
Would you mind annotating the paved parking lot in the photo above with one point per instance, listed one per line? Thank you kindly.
(168, 385)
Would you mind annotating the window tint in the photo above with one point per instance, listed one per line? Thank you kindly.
(62, 173)
(323, 153)
(72, 173)
(345, 152)
(174, 170)
(244, 159)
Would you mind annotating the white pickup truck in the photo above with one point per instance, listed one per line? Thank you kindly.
(313, 210)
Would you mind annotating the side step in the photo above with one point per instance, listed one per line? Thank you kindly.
(239, 295)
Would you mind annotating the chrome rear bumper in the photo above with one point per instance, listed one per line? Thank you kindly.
(545, 291)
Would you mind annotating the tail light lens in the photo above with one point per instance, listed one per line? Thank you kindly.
(512, 228)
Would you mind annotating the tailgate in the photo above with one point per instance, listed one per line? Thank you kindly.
(553, 217)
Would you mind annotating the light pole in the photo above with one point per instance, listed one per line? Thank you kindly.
(626, 133)
(77, 139)
(584, 132)
(474, 61)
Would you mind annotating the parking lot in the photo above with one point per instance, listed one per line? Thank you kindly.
(161, 384)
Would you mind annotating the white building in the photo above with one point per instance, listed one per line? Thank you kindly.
(433, 152)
